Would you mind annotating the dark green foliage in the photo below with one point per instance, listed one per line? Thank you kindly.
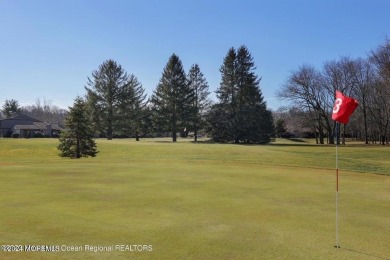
(37, 135)
(228, 88)
(172, 99)
(280, 127)
(104, 92)
(10, 106)
(8, 134)
(94, 110)
(77, 139)
(241, 115)
(220, 119)
(116, 102)
(200, 88)
(131, 109)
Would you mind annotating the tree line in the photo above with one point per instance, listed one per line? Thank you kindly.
(117, 105)
(310, 94)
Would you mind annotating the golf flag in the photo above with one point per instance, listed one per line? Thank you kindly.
(343, 108)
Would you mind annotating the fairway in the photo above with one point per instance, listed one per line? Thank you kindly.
(194, 201)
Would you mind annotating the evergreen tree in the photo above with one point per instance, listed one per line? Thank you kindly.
(172, 98)
(220, 121)
(105, 85)
(94, 111)
(255, 123)
(241, 115)
(222, 116)
(132, 108)
(227, 90)
(280, 127)
(77, 139)
(10, 106)
(198, 85)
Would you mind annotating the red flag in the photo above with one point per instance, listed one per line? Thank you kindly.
(343, 108)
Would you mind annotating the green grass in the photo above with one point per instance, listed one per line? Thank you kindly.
(196, 201)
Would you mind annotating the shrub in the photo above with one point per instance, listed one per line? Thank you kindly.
(37, 135)
(8, 134)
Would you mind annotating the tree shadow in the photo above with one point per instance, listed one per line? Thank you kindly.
(367, 254)
(297, 143)
(208, 141)
(297, 140)
(164, 141)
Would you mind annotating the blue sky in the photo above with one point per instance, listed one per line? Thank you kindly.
(49, 48)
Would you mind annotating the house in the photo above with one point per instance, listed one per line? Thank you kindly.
(25, 126)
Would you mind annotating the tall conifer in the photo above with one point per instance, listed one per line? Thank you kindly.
(131, 108)
(105, 84)
(241, 115)
(77, 139)
(172, 98)
(200, 88)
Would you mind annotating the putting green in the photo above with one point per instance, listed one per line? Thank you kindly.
(158, 200)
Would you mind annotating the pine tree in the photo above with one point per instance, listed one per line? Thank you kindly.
(198, 85)
(222, 116)
(105, 85)
(94, 110)
(10, 106)
(280, 127)
(220, 121)
(241, 115)
(131, 108)
(172, 98)
(227, 90)
(77, 139)
(254, 120)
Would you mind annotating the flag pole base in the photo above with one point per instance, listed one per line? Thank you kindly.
(337, 246)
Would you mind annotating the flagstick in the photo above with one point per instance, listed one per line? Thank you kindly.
(337, 185)
(342, 110)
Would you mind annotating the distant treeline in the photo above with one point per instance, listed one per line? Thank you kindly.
(310, 93)
(43, 110)
(180, 104)
(116, 104)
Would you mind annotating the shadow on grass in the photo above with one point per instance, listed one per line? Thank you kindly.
(294, 143)
(362, 253)
(287, 142)
(208, 141)
(163, 141)
(297, 140)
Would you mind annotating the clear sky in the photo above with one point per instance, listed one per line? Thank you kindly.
(49, 48)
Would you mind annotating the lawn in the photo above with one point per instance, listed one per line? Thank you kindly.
(194, 201)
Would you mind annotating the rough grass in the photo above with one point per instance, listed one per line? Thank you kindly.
(195, 201)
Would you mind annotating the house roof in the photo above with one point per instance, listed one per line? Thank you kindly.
(22, 122)
(37, 126)
(18, 116)
(26, 127)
